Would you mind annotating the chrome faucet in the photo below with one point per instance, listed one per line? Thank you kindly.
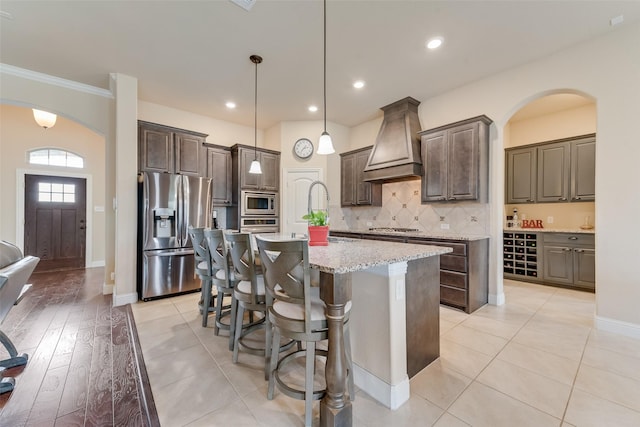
(314, 183)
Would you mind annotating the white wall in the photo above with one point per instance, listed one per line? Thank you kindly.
(220, 132)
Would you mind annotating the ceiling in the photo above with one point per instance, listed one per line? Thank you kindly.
(194, 55)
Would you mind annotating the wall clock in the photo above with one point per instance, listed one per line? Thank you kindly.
(303, 148)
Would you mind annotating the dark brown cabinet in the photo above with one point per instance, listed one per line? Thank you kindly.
(464, 273)
(169, 150)
(555, 171)
(354, 191)
(268, 180)
(521, 175)
(455, 161)
(218, 168)
(569, 259)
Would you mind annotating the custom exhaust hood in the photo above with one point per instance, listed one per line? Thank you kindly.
(396, 153)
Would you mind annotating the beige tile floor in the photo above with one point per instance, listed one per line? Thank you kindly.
(535, 361)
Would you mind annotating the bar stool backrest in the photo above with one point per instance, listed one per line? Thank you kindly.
(217, 252)
(242, 260)
(201, 251)
(285, 266)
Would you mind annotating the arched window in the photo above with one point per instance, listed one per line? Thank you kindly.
(54, 157)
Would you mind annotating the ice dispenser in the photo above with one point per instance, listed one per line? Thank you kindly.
(164, 220)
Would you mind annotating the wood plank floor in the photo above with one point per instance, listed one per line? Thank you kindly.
(85, 365)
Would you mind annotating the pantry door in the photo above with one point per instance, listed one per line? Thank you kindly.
(295, 199)
(55, 221)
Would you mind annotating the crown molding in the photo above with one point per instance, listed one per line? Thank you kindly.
(54, 81)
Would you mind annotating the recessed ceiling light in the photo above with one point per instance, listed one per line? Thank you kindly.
(230, 105)
(358, 84)
(435, 43)
(313, 108)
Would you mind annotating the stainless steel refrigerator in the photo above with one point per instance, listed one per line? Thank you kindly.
(169, 204)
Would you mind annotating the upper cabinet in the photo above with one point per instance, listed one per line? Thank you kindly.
(218, 168)
(455, 159)
(583, 169)
(354, 191)
(555, 171)
(268, 180)
(169, 150)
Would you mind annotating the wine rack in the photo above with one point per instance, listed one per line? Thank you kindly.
(521, 258)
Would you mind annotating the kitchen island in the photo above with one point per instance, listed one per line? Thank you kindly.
(394, 320)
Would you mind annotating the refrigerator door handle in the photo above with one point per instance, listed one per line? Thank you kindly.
(180, 214)
(184, 221)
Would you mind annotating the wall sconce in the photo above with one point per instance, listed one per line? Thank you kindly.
(44, 118)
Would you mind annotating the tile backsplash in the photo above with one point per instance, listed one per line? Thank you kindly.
(401, 207)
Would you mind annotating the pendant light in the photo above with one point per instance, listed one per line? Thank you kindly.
(325, 146)
(44, 118)
(255, 164)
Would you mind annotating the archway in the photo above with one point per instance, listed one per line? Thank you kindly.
(549, 142)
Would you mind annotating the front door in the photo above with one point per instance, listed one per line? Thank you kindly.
(55, 221)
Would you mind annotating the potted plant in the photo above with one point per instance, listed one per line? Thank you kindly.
(318, 228)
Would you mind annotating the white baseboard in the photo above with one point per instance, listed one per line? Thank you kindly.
(618, 327)
(125, 299)
(107, 289)
(97, 264)
(497, 299)
(391, 396)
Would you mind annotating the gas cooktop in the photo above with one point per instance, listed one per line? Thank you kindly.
(394, 229)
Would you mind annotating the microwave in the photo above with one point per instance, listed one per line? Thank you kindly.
(264, 204)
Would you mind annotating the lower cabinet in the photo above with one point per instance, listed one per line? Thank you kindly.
(464, 273)
(569, 259)
(564, 259)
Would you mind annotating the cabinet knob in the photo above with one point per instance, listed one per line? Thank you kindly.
(577, 198)
(563, 199)
(530, 200)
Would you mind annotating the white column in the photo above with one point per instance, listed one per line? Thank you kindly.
(125, 89)
(378, 333)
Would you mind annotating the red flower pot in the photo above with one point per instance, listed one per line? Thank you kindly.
(318, 235)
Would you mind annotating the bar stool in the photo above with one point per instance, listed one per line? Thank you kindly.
(202, 270)
(223, 280)
(297, 312)
(248, 292)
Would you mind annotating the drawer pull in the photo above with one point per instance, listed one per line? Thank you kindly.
(563, 199)
(579, 250)
(573, 238)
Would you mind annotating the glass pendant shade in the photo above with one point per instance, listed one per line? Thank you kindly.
(325, 145)
(44, 118)
(255, 167)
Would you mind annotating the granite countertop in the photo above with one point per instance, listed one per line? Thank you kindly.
(550, 230)
(418, 234)
(347, 255)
